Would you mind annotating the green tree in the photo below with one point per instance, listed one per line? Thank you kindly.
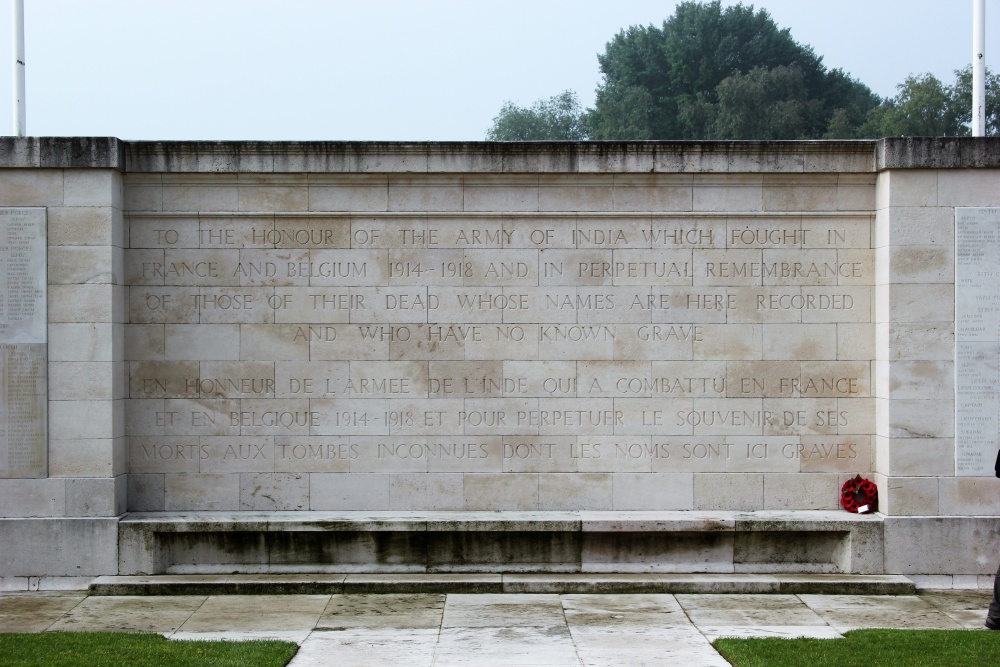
(558, 118)
(764, 103)
(925, 107)
(961, 99)
(674, 73)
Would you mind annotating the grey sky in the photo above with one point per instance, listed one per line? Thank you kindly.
(394, 69)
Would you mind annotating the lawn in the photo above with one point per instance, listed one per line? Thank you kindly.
(118, 649)
(869, 648)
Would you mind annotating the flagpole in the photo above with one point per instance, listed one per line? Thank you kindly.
(18, 30)
(979, 68)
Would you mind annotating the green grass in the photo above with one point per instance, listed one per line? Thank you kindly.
(868, 648)
(123, 649)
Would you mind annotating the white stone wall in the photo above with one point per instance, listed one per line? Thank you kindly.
(183, 460)
(87, 451)
(915, 305)
(118, 369)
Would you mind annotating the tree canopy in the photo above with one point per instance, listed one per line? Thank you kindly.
(714, 72)
(926, 107)
(556, 119)
(692, 74)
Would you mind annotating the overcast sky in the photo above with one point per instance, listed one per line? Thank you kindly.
(394, 69)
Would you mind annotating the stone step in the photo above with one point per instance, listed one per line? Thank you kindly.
(375, 583)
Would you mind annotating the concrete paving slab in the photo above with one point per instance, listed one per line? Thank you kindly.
(627, 637)
(502, 610)
(702, 656)
(382, 611)
(505, 645)
(624, 603)
(162, 614)
(35, 612)
(368, 649)
(257, 613)
(746, 610)
(846, 612)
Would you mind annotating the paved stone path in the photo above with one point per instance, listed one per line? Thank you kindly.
(442, 630)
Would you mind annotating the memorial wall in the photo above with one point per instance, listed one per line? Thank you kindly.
(653, 326)
(482, 359)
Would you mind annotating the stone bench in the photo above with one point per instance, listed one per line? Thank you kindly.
(829, 542)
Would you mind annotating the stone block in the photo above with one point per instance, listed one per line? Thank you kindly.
(917, 226)
(941, 545)
(911, 418)
(644, 193)
(88, 264)
(32, 498)
(967, 496)
(917, 303)
(907, 188)
(84, 341)
(814, 192)
(145, 492)
(96, 497)
(92, 187)
(84, 380)
(908, 496)
(74, 420)
(350, 193)
(855, 340)
(906, 342)
(348, 491)
(97, 457)
(426, 491)
(185, 342)
(730, 192)
(56, 547)
(583, 491)
(501, 491)
(516, 193)
(800, 341)
(82, 303)
(856, 192)
(742, 492)
(812, 491)
(201, 492)
(84, 226)
(287, 192)
(425, 193)
(922, 264)
(143, 192)
(274, 491)
(921, 379)
(217, 192)
(919, 457)
(582, 194)
(32, 187)
(967, 187)
(652, 491)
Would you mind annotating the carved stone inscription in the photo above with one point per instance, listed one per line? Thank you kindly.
(977, 339)
(23, 348)
(499, 344)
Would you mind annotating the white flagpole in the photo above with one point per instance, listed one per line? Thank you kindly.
(18, 30)
(979, 68)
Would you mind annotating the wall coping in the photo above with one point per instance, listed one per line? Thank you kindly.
(609, 157)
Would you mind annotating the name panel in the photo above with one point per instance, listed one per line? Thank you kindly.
(23, 343)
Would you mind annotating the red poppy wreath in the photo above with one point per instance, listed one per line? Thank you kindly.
(859, 495)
